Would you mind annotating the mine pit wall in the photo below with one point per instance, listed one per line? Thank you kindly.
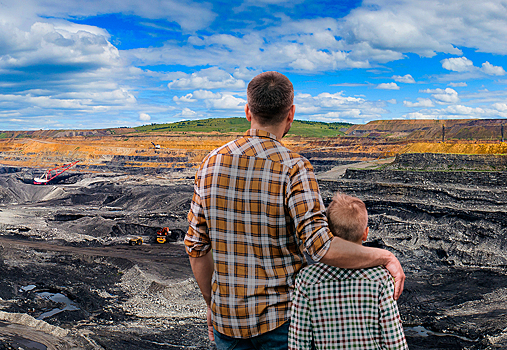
(453, 218)
(451, 162)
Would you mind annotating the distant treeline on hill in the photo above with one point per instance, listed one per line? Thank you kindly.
(240, 125)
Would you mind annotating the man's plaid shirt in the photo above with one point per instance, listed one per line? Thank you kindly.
(257, 205)
(345, 309)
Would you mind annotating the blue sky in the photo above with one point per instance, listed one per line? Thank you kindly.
(110, 63)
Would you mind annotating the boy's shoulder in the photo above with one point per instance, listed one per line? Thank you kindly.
(319, 272)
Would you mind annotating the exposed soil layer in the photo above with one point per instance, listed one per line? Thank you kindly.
(70, 238)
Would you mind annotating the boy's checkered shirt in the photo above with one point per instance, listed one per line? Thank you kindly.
(257, 205)
(345, 309)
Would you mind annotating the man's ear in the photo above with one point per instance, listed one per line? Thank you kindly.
(247, 113)
(365, 234)
(291, 114)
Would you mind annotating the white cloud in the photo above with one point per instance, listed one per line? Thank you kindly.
(206, 94)
(378, 31)
(500, 107)
(189, 15)
(392, 101)
(461, 84)
(388, 86)
(407, 78)
(228, 102)
(56, 49)
(421, 115)
(336, 107)
(326, 100)
(244, 73)
(421, 102)
(187, 112)
(187, 98)
(457, 64)
(349, 84)
(464, 110)
(447, 96)
(489, 69)
(210, 78)
(144, 117)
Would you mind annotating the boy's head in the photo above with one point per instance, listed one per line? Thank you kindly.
(348, 218)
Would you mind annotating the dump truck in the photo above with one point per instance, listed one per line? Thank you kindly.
(136, 240)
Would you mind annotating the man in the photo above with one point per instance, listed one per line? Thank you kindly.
(257, 207)
(334, 308)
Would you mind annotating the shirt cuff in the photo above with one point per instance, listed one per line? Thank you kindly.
(324, 242)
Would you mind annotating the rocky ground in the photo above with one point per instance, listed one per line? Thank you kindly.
(68, 240)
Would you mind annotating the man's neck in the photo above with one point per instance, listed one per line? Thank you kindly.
(277, 130)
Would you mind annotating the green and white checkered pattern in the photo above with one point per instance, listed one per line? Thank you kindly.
(345, 309)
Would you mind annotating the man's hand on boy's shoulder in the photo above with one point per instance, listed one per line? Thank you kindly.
(394, 267)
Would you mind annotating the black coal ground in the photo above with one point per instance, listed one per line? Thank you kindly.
(70, 238)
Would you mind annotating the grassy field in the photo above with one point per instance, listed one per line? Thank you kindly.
(239, 125)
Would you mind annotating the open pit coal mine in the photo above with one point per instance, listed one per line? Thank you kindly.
(69, 280)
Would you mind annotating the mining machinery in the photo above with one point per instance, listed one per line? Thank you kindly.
(52, 173)
(162, 235)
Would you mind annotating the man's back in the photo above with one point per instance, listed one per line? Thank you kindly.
(345, 309)
(250, 195)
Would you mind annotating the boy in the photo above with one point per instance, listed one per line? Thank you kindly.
(336, 308)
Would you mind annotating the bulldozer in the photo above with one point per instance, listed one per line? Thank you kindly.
(162, 235)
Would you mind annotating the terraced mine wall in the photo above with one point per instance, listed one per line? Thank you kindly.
(449, 231)
(457, 218)
(452, 162)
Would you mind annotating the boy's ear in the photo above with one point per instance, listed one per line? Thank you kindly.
(365, 234)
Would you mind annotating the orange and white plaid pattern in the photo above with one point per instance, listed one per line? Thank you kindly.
(257, 205)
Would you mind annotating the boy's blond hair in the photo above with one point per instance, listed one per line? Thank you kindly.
(347, 217)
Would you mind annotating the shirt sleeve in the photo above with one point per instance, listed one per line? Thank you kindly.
(390, 322)
(307, 210)
(197, 240)
(300, 329)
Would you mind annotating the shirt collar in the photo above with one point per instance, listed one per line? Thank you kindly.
(260, 133)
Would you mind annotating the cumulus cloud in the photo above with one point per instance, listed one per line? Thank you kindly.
(53, 66)
(206, 94)
(500, 107)
(186, 98)
(58, 50)
(464, 110)
(489, 69)
(421, 115)
(441, 96)
(190, 15)
(388, 86)
(407, 78)
(379, 31)
(228, 102)
(187, 112)
(337, 107)
(210, 78)
(460, 84)
(457, 64)
(144, 117)
(421, 102)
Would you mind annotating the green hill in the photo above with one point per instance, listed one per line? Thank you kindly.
(239, 125)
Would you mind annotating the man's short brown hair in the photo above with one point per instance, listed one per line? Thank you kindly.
(347, 217)
(270, 97)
